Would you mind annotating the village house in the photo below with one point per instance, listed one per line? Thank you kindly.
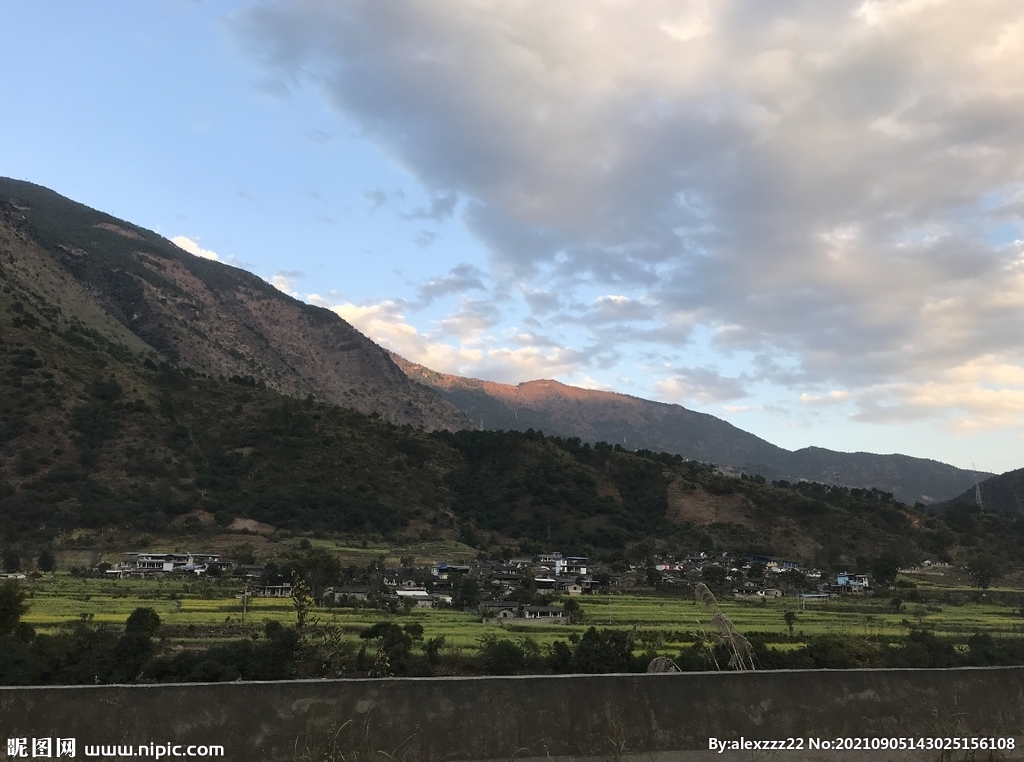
(564, 565)
(444, 570)
(137, 564)
(342, 593)
(274, 591)
(749, 587)
(416, 596)
(505, 581)
(544, 613)
(551, 562)
(846, 583)
(575, 566)
(570, 586)
(670, 566)
(545, 584)
(498, 609)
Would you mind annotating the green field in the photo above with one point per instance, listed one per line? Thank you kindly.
(200, 611)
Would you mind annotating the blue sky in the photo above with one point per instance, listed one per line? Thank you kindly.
(802, 217)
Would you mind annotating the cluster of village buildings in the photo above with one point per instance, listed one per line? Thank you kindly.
(549, 575)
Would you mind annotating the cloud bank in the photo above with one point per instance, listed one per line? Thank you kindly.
(833, 190)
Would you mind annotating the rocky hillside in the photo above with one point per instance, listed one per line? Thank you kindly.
(81, 273)
(595, 416)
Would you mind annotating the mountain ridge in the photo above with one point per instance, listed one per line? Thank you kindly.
(599, 415)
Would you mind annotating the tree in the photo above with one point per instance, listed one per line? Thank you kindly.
(714, 576)
(318, 569)
(432, 648)
(794, 579)
(602, 652)
(984, 570)
(573, 610)
(469, 593)
(393, 646)
(885, 568)
(143, 621)
(135, 647)
(244, 553)
(499, 656)
(302, 601)
(12, 606)
(790, 617)
(46, 561)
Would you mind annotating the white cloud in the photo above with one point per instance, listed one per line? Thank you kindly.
(615, 307)
(385, 323)
(836, 395)
(586, 382)
(285, 282)
(194, 248)
(736, 408)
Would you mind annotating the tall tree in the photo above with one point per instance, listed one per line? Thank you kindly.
(984, 570)
(12, 606)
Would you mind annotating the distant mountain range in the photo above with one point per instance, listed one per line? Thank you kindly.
(634, 423)
(94, 283)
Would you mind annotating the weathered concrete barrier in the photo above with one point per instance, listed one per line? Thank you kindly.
(580, 717)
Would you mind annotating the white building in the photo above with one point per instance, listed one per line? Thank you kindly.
(135, 563)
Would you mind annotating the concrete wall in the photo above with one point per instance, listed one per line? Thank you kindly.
(582, 717)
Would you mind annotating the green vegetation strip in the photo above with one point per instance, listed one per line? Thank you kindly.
(214, 611)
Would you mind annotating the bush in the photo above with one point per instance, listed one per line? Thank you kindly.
(499, 656)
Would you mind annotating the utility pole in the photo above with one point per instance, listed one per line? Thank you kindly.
(245, 600)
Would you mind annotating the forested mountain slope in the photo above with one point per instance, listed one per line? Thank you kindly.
(1001, 494)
